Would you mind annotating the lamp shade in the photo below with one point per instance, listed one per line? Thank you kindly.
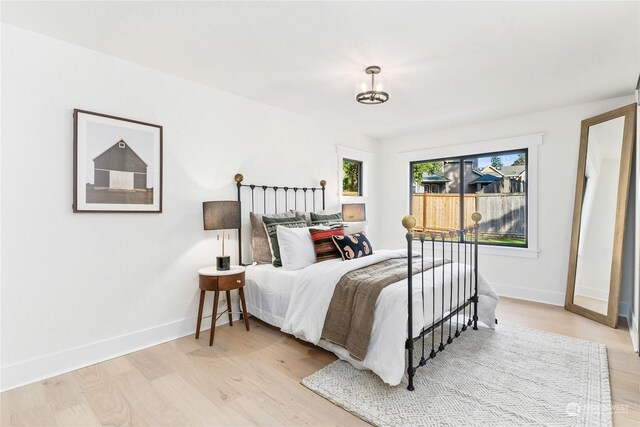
(353, 212)
(221, 215)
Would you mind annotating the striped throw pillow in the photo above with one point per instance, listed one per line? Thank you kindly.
(323, 243)
(271, 224)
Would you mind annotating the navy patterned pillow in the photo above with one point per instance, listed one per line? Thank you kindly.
(353, 246)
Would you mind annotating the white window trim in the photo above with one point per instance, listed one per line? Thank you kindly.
(530, 142)
(366, 158)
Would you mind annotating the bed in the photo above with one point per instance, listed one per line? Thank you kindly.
(415, 318)
(268, 292)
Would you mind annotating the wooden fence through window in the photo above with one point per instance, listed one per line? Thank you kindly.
(502, 213)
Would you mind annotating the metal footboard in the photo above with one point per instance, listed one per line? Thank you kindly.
(462, 246)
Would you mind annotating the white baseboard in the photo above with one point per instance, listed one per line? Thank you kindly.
(536, 295)
(41, 368)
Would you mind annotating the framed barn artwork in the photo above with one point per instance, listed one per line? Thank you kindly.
(117, 164)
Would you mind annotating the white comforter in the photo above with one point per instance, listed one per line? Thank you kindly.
(312, 294)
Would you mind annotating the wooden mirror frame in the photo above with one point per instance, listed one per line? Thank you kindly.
(626, 160)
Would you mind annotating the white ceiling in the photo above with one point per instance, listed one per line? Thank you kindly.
(448, 64)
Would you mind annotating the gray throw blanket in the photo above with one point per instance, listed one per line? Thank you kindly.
(350, 316)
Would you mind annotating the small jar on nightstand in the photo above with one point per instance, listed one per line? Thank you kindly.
(217, 281)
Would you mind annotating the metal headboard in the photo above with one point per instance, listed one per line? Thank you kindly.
(282, 191)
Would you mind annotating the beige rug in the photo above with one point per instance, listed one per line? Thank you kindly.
(510, 376)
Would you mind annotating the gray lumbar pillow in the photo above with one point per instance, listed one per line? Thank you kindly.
(325, 219)
(259, 240)
(307, 214)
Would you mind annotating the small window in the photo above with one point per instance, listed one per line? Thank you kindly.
(121, 144)
(351, 177)
(494, 184)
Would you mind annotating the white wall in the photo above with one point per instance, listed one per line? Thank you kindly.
(635, 284)
(629, 290)
(78, 288)
(542, 278)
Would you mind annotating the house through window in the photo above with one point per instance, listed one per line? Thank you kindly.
(446, 192)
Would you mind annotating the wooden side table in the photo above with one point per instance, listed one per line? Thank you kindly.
(217, 281)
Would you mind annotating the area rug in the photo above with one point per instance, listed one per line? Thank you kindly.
(510, 376)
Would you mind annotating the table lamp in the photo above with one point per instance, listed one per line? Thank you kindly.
(221, 215)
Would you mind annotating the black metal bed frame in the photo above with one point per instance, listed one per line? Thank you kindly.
(286, 189)
(450, 238)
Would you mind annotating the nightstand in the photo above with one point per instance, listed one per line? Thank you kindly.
(218, 281)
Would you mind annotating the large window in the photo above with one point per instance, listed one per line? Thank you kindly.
(351, 177)
(446, 192)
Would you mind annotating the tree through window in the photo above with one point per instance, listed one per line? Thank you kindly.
(351, 177)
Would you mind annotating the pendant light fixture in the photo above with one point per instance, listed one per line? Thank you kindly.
(375, 94)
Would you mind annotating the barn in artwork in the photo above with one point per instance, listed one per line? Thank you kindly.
(120, 168)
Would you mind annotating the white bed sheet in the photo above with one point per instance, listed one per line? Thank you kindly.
(271, 291)
(312, 294)
(268, 291)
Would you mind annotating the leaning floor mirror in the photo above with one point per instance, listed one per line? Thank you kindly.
(602, 192)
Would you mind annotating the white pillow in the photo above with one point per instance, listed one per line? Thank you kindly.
(356, 227)
(296, 247)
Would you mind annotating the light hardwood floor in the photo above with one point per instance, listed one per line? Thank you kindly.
(252, 378)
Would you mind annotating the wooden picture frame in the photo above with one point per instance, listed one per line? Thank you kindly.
(117, 164)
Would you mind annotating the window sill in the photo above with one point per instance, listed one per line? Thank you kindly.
(503, 251)
(352, 199)
(509, 252)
